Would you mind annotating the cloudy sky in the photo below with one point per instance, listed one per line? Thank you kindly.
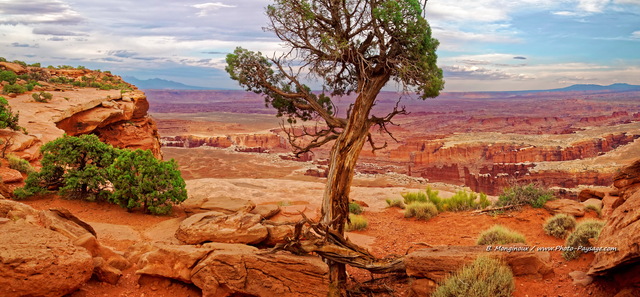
(486, 45)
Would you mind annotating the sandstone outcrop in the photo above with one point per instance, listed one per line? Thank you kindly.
(243, 272)
(35, 261)
(622, 231)
(240, 227)
(102, 261)
(202, 198)
(119, 118)
(431, 266)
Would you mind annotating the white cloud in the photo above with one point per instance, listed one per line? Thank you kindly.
(635, 2)
(38, 12)
(593, 5)
(206, 8)
(635, 35)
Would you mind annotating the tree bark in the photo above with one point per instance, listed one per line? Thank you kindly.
(343, 158)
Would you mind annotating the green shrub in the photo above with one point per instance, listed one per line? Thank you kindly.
(42, 97)
(355, 208)
(8, 76)
(585, 230)
(485, 277)
(3, 59)
(21, 63)
(559, 225)
(356, 223)
(19, 164)
(14, 88)
(500, 235)
(428, 195)
(35, 65)
(395, 203)
(7, 118)
(531, 194)
(142, 181)
(421, 210)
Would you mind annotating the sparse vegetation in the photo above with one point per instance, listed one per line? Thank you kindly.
(485, 277)
(532, 194)
(461, 201)
(7, 118)
(421, 210)
(355, 208)
(500, 235)
(395, 203)
(42, 97)
(585, 230)
(356, 222)
(559, 225)
(19, 164)
(8, 76)
(594, 208)
(14, 88)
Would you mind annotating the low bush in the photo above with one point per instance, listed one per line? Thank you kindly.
(8, 119)
(355, 208)
(19, 164)
(500, 235)
(585, 230)
(14, 88)
(559, 225)
(395, 203)
(532, 194)
(356, 222)
(421, 210)
(485, 277)
(8, 76)
(462, 201)
(43, 97)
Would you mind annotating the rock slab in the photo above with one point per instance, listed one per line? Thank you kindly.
(214, 226)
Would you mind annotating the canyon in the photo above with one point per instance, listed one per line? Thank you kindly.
(485, 141)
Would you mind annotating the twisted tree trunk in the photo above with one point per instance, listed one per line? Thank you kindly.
(343, 158)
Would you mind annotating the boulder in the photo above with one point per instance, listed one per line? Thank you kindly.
(9, 175)
(201, 200)
(587, 194)
(565, 206)
(170, 261)
(35, 261)
(247, 273)
(278, 233)
(597, 203)
(266, 211)
(434, 265)
(621, 231)
(219, 227)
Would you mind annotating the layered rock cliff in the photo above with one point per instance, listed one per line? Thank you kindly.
(82, 102)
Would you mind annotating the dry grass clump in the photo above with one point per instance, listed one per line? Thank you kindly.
(532, 194)
(594, 208)
(559, 225)
(485, 277)
(355, 208)
(395, 203)
(585, 230)
(500, 235)
(421, 210)
(356, 223)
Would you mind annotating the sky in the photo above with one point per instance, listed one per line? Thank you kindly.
(485, 45)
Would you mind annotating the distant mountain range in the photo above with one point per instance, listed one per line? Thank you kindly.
(160, 84)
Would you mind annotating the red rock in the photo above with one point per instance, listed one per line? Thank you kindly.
(587, 194)
(218, 227)
(565, 206)
(9, 175)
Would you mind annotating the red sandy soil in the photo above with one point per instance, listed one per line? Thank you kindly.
(393, 234)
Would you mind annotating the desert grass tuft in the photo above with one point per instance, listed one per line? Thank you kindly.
(356, 223)
(500, 235)
(594, 208)
(395, 203)
(421, 210)
(355, 208)
(559, 225)
(585, 230)
(532, 194)
(485, 277)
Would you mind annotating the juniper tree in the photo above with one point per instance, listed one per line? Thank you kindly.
(351, 47)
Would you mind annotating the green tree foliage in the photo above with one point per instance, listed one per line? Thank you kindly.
(84, 167)
(73, 165)
(142, 181)
(8, 76)
(7, 118)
